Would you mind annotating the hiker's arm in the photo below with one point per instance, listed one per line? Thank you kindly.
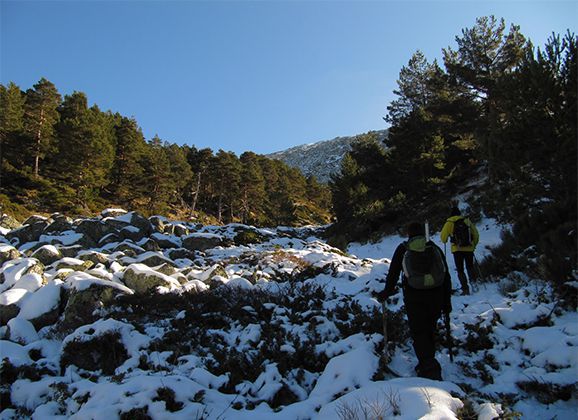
(445, 233)
(394, 271)
(475, 234)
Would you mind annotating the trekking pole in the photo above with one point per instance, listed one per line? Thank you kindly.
(449, 336)
(384, 322)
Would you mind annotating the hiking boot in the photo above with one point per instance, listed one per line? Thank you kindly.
(431, 369)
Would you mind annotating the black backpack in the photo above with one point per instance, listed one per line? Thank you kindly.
(423, 264)
(462, 235)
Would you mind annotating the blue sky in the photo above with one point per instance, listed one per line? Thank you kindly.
(238, 75)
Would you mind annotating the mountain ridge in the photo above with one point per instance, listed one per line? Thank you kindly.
(322, 158)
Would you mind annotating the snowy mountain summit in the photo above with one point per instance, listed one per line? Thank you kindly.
(126, 317)
(320, 159)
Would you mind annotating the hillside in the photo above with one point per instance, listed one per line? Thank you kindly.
(121, 316)
(320, 159)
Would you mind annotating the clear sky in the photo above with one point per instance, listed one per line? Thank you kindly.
(238, 75)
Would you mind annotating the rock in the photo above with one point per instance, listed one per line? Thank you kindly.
(73, 264)
(158, 223)
(214, 271)
(109, 239)
(165, 241)
(35, 219)
(59, 224)
(27, 233)
(94, 351)
(151, 245)
(43, 307)
(202, 241)
(95, 257)
(8, 222)
(94, 229)
(10, 302)
(143, 279)
(7, 253)
(180, 254)
(131, 233)
(47, 254)
(22, 331)
(70, 251)
(142, 223)
(14, 270)
(167, 269)
(180, 230)
(153, 259)
(8, 312)
(84, 301)
(129, 249)
(112, 212)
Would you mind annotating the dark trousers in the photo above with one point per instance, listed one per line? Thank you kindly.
(465, 258)
(423, 309)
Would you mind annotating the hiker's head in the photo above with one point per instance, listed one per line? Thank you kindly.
(415, 229)
(455, 211)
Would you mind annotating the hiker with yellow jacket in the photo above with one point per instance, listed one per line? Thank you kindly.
(464, 238)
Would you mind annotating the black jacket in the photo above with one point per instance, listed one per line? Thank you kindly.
(444, 292)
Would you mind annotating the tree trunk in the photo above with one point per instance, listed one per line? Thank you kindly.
(38, 143)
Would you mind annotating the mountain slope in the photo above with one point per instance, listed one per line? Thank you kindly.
(319, 159)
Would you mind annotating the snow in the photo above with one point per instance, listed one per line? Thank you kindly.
(521, 345)
(41, 302)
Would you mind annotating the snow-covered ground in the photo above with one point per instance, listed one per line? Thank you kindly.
(292, 331)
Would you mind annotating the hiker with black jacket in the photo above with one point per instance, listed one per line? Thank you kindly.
(426, 285)
(464, 238)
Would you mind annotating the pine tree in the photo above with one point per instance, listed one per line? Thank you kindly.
(41, 115)
(88, 133)
(485, 54)
(11, 123)
(252, 189)
(181, 172)
(156, 183)
(128, 170)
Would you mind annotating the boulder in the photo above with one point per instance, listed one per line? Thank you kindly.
(180, 254)
(47, 254)
(151, 245)
(7, 253)
(113, 212)
(143, 279)
(10, 302)
(75, 264)
(131, 233)
(43, 307)
(202, 241)
(94, 349)
(154, 259)
(8, 222)
(35, 219)
(165, 241)
(12, 271)
(87, 294)
(95, 257)
(70, 251)
(109, 239)
(158, 223)
(27, 233)
(94, 229)
(180, 230)
(59, 224)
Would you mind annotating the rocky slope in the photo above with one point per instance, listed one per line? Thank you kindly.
(319, 159)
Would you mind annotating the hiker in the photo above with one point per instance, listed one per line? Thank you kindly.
(464, 238)
(426, 286)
